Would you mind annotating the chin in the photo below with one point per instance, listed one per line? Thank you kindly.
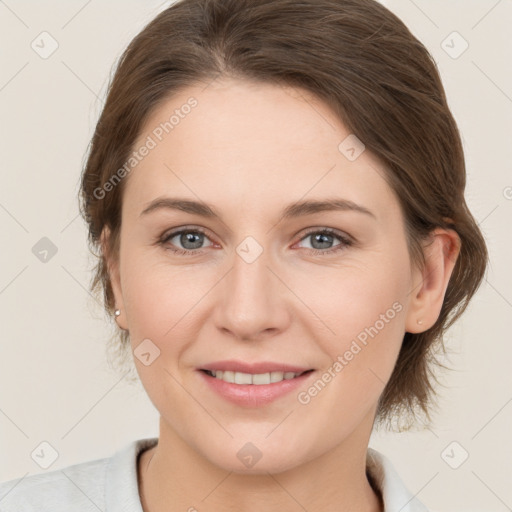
(273, 464)
(242, 456)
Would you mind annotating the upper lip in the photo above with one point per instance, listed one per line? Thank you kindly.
(254, 368)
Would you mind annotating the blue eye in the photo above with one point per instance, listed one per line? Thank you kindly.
(326, 236)
(192, 240)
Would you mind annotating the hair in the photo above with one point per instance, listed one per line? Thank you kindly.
(378, 79)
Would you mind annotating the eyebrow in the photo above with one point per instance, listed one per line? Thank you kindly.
(297, 209)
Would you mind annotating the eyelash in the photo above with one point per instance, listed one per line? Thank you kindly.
(345, 241)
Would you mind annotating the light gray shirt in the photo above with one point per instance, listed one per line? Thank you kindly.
(110, 485)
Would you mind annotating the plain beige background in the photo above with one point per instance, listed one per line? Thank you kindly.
(55, 383)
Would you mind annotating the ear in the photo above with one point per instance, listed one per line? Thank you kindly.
(112, 263)
(430, 283)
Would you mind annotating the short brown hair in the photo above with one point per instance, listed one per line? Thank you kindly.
(373, 73)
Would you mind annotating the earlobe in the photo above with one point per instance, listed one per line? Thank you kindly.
(112, 265)
(441, 251)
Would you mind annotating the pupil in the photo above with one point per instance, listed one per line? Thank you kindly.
(323, 236)
(188, 237)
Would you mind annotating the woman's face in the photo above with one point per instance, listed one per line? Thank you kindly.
(251, 285)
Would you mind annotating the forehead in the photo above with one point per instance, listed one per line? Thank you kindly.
(246, 144)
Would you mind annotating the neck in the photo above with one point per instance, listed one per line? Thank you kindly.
(175, 477)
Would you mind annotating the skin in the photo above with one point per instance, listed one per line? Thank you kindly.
(250, 149)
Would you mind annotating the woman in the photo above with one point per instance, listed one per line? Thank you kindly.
(276, 191)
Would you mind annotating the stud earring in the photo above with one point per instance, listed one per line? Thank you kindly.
(117, 312)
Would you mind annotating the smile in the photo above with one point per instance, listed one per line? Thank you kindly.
(253, 389)
(257, 379)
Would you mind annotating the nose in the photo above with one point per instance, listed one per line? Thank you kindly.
(253, 303)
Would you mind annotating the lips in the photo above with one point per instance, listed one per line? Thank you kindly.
(253, 368)
(258, 393)
(253, 384)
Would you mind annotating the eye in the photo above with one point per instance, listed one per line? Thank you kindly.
(322, 239)
(191, 239)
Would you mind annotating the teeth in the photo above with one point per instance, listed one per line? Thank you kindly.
(248, 378)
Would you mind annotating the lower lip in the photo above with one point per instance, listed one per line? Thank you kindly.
(254, 395)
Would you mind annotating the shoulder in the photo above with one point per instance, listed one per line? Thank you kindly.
(83, 487)
(77, 487)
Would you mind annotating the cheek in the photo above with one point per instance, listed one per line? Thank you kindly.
(347, 301)
(359, 322)
(367, 317)
(160, 298)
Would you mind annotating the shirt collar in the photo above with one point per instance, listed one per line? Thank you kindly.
(395, 495)
(121, 485)
(122, 490)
